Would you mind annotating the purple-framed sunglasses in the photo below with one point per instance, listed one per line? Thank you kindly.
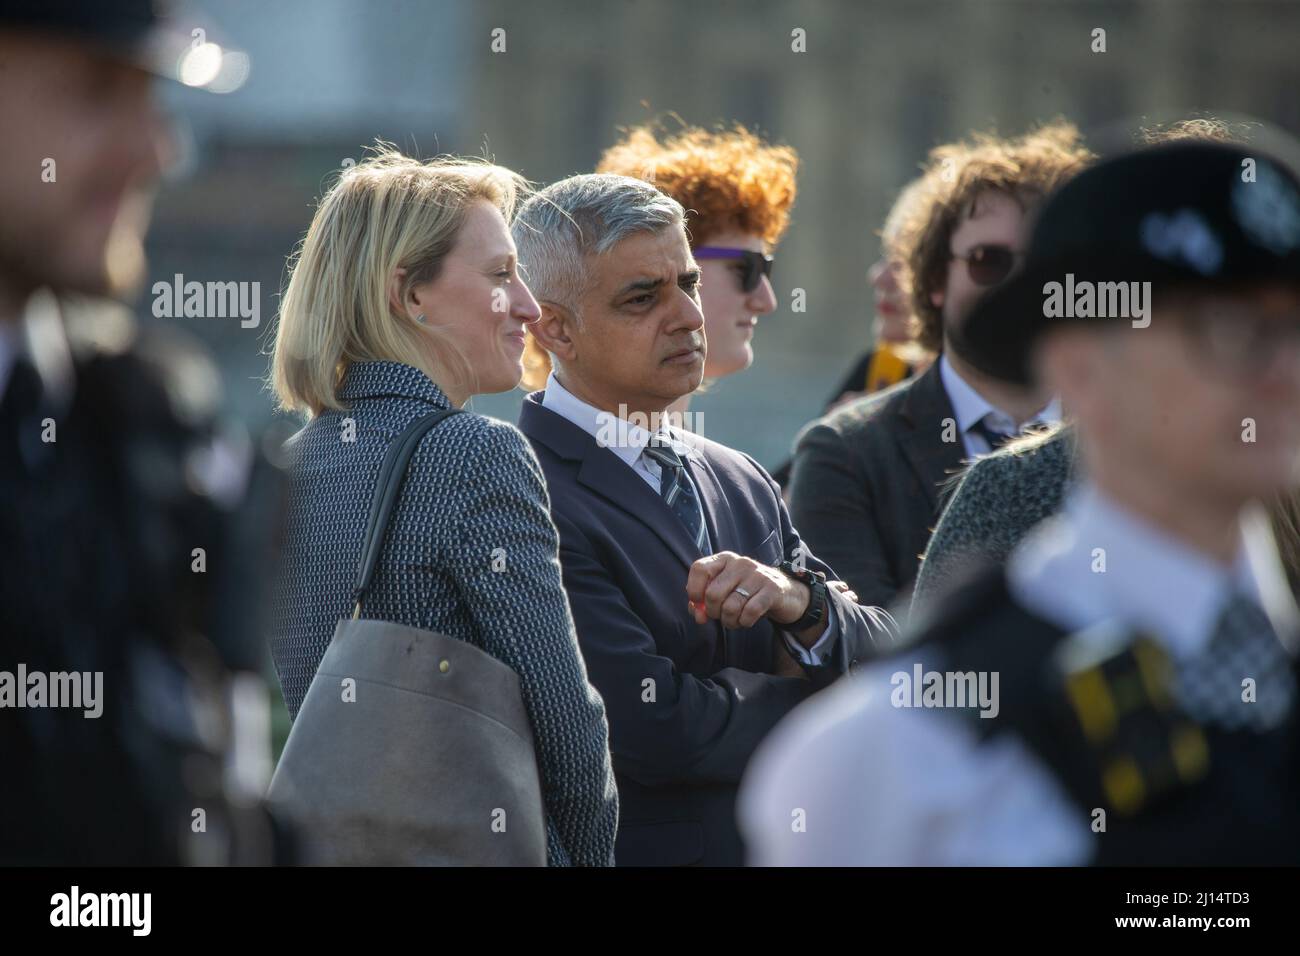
(757, 264)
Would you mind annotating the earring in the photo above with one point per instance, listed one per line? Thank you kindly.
(421, 319)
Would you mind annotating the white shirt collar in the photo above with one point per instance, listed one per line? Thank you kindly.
(626, 439)
(970, 407)
(39, 336)
(1151, 582)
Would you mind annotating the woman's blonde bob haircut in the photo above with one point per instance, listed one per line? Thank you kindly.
(386, 213)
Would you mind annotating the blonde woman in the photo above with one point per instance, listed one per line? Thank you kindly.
(406, 298)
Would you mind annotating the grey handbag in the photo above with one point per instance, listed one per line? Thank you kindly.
(410, 748)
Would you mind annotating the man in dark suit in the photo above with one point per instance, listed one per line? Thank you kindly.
(702, 617)
(866, 484)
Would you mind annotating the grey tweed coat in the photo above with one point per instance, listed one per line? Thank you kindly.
(473, 487)
(997, 501)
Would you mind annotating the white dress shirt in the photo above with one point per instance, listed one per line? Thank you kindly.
(881, 785)
(628, 441)
(969, 408)
(623, 438)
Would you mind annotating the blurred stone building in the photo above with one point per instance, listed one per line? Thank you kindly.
(878, 84)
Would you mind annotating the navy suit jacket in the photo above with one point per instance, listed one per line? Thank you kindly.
(869, 480)
(687, 703)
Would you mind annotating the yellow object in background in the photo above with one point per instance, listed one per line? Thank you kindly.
(886, 368)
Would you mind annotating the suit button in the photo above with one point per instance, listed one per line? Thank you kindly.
(853, 665)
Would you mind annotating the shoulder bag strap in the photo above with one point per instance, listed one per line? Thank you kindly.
(391, 475)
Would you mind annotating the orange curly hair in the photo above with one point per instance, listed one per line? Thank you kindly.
(727, 179)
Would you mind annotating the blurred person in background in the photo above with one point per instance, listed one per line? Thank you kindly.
(1145, 638)
(702, 616)
(136, 524)
(895, 354)
(1001, 496)
(404, 299)
(866, 482)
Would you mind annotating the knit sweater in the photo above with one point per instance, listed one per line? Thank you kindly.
(996, 501)
(470, 552)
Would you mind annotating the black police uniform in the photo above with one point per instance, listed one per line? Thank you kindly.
(97, 535)
(1195, 794)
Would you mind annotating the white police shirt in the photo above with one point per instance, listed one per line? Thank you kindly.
(628, 440)
(849, 779)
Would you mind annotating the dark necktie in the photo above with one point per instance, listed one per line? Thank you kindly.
(1243, 645)
(995, 438)
(677, 491)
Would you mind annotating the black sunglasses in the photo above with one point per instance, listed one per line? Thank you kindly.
(757, 264)
(990, 264)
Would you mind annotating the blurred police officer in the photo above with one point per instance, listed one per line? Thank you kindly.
(1145, 709)
(131, 527)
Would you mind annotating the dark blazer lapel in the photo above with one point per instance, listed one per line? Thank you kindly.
(717, 512)
(922, 414)
(606, 474)
(723, 533)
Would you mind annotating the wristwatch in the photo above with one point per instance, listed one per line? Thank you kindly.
(817, 602)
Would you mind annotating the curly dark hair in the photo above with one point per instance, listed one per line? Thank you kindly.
(1026, 168)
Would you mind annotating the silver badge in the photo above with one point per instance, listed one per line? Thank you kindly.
(1268, 209)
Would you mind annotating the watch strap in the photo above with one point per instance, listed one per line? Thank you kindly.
(818, 602)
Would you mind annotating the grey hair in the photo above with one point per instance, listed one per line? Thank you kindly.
(563, 224)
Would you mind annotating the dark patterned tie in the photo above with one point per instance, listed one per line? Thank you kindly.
(677, 491)
(1244, 645)
(995, 438)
